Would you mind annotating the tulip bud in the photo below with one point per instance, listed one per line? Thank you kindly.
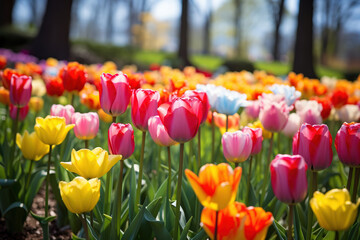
(313, 143)
(237, 146)
(36, 104)
(292, 126)
(59, 110)
(202, 96)
(158, 132)
(349, 113)
(256, 139)
(86, 125)
(347, 144)
(309, 111)
(31, 146)
(121, 139)
(73, 76)
(288, 178)
(20, 90)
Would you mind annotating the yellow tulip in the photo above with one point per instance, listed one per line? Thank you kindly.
(52, 130)
(31, 146)
(334, 210)
(80, 195)
(91, 163)
(36, 104)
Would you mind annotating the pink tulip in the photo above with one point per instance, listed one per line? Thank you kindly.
(347, 144)
(292, 126)
(62, 111)
(253, 109)
(144, 104)
(202, 96)
(313, 143)
(20, 90)
(256, 139)
(115, 93)
(274, 112)
(288, 178)
(349, 113)
(158, 132)
(237, 146)
(22, 113)
(309, 111)
(86, 125)
(121, 140)
(181, 118)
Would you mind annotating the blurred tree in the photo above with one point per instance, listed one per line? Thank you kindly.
(277, 10)
(183, 52)
(207, 29)
(52, 39)
(6, 9)
(237, 25)
(303, 56)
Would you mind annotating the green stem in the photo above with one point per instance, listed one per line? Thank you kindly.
(178, 192)
(356, 185)
(86, 143)
(47, 184)
(337, 235)
(85, 226)
(12, 151)
(227, 123)
(169, 172)
(29, 174)
(92, 218)
(138, 189)
(312, 189)
(119, 193)
(216, 225)
(348, 185)
(108, 189)
(114, 119)
(267, 170)
(248, 182)
(212, 138)
(278, 143)
(199, 149)
(290, 222)
(236, 164)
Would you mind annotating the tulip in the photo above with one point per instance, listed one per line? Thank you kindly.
(23, 112)
(38, 88)
(86, 125)
(237, 146)
(121, 140)
(349, 113)
(288, 92)
(313, 143)
(274, 112)
(36, 104)
(115, 93)
(257, 124)
(54, 86)
(256, 139)
(326, 106)
(4, 96)
(288, 178)
(62, 111)
(212, 93)
(98, 159)
(6, 77)
(80, 195)
(158, 132)
(31, 146)
(292, 126)
(3, 62)
(52, 130)
(144, 104)
(309, 111)
(236, 221)
(181, 118)
(20, 90)
(73, 76)
(347, 144)
(253, 109)
(216, 186)
(202, 96)
(229, 102)
(334, 210)
(339, 98)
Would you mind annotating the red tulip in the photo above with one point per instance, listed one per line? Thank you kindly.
(347, 144)
(115, 93)
(339, 98)
(181, 118)
(6, 77)
(144, 104)
(54, 86)
(121, 140)
(202, 96)
(256, 137)
(22, 113)
(313, 143)
(20, 90)
(288, 178)
(73, 76)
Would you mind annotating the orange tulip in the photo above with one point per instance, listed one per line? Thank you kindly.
(216, 186)
(237, 221)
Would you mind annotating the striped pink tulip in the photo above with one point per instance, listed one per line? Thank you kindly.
(121, 140)
(86, 125)
(66, 112)
(20, 90)
(256, 139)
(237, 146)
(158, 132)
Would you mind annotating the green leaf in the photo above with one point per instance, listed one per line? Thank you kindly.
(14, 205)
(41, 219)
(93, 234)
(297, 226)
(280, 230)
(74, 237)
(34, 187)
(169, 215)
(154, 206)
(186, 230)
(330, 235)
(105, 229)
(200, 235)
(158, 227)
(162, 190)
(134, 227)
(7, 182)
(319, 236)
(132, 207)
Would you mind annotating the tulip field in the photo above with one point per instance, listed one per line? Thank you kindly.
(177, 154)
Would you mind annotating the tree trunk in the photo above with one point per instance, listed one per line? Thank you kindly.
(277, 37)
(303, 57)
(237, 26)
(325, 33)
(183, 53)
(6, 9)
(131, 21)
(53, 37)
(109, 21)
(207, 30)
